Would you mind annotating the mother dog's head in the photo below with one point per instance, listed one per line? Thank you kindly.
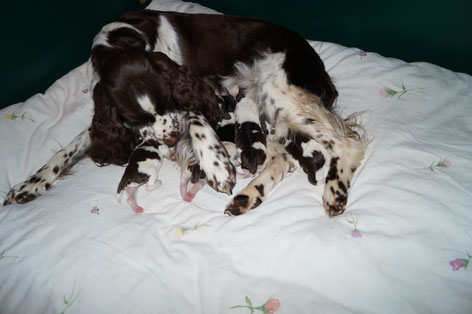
(140, 92)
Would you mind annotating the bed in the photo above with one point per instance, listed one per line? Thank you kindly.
(402, 246)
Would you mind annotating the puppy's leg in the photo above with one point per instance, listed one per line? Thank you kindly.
(153, 172)
(131, 193)
(277, 166)
(153, 185)
(189, 186)
(43, 179)
(212, 156)
(249, 136)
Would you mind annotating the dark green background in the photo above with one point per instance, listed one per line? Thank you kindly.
(41, 41)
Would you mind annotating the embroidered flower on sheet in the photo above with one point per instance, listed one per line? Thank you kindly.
(13, 117)
(388, 92)
(181, 231)
(95, 210)
(355, 221)
(459, 263)
(442, 163)
(271, 306)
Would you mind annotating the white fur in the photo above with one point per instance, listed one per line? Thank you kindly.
(102, 37)
(168, 41)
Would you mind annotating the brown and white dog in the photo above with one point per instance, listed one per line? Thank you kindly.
(280, 74)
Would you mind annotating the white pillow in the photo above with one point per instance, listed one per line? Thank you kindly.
(179, 6)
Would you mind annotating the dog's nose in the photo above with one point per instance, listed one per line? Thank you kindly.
(172, 139)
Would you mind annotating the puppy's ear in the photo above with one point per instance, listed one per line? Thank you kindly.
(112, 142)
(191, 93)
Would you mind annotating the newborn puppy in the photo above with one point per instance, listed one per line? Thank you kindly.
(143, 168)
(226, 133)
(306, 152)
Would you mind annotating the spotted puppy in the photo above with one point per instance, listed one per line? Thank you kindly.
(143, 168)
(307, 154)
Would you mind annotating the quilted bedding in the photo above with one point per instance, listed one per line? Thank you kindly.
(402, 246)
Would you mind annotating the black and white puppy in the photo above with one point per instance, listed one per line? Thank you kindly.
(306, 153)
(143, 168)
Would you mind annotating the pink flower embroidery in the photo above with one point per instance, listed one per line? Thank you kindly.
(95, 210)
(389, 92)
(456, 264)
(442, 163)
(271, 306)
(356, 234)
(355, 221)
(459, 263)
(383, 92)
(362, 54)
(85, 91)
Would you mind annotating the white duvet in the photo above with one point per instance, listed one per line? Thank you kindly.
(402, 246)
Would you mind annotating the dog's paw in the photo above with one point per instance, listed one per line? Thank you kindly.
(246, 200)
(221, 177)
(27, 191)
(335, 198)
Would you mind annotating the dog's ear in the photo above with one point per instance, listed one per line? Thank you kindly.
(191, 93)
(112, 142)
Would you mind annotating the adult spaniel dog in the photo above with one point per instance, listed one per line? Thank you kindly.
(286, 95)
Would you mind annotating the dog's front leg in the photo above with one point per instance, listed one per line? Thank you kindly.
(212, 156)
(44, 178)
(277, 166)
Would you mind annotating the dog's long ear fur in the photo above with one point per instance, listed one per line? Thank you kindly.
(191, 93)
(112, 142)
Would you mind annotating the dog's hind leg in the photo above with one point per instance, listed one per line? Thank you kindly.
(339, 139)
(43, 179)
(277, 166)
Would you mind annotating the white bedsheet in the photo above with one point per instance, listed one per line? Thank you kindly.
(398, 248)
